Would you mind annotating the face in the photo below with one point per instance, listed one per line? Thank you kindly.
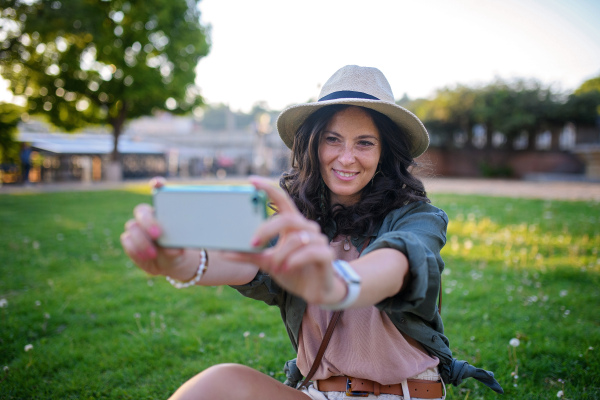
(349, 151)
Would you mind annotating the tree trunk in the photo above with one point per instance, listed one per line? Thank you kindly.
(555, 141)
(114, 169)
(531, 136)
(117, 125)
(489, 132)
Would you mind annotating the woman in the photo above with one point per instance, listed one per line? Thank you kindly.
(354, 232)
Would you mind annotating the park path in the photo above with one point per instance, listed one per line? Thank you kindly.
(558, 190)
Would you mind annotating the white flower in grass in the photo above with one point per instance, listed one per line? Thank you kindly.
(38, 303)
(261, 335)
(6, 368)
(246, 334)
(3, 303)
(28, 347)
(563, 293)
(560, 394)
(514, 342)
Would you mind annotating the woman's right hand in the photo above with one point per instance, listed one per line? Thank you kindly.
(138, 241)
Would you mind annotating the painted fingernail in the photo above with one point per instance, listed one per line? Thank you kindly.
(255, 242)
(154, 231)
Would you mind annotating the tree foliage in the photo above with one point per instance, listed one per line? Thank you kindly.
(584, 104)
(83, 62)
(10, 116)
(511, 107)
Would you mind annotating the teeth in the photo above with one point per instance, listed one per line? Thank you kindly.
(345, 174)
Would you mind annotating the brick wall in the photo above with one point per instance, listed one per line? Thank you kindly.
(478, 163)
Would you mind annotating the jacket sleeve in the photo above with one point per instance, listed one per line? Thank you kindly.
(262, 288)
(419, 231)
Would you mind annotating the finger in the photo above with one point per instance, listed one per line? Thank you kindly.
(281, 224)
(294, 241)
(282, 201)
(309, 255)
(304, 237)
(139, 243)
(144, 215)
(131, 249)
(129, 223)
(157, 182)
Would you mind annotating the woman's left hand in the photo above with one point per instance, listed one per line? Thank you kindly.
(301, 261)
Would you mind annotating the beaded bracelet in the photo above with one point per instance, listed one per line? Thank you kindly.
(201, 269)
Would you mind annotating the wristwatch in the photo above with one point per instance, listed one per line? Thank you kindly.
(352, 280)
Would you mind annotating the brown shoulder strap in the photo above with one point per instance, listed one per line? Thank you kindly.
(332, 322)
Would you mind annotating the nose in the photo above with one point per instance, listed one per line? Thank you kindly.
(346, 156)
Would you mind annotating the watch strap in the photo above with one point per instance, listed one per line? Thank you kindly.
(352, 280)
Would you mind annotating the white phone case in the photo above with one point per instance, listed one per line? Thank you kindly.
(212, 217)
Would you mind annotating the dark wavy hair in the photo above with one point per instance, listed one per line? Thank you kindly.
(391, 188)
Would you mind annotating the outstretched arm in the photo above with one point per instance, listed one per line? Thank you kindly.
(138, 241)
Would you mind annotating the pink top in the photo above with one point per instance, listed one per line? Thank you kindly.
(365, 343)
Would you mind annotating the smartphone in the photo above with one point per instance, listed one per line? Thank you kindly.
(214, 217)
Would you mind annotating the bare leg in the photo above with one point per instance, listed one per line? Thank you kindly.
(235, 382)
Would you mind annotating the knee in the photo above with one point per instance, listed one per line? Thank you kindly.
(224, 373)
(222, 381)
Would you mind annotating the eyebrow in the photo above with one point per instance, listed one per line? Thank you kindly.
(361, 137)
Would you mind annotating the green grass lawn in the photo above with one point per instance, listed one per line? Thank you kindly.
(97, 327)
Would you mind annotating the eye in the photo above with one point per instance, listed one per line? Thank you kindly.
(331, 139)
(366, 143)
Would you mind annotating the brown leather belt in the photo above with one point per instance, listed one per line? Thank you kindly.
(357, 387)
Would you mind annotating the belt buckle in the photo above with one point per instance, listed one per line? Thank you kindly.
(351, 393)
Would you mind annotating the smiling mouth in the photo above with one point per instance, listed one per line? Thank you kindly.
(345, 174)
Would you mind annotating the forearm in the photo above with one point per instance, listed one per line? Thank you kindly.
(383, 274)
(220, 270)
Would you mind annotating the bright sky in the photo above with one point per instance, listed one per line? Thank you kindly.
(281, 51)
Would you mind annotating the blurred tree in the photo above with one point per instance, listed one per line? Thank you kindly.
(509, 107)
(515, 108)
(220, 117)
(583, 106)
(591, 85)
(10, 116)
(447, 114)
(102, 62)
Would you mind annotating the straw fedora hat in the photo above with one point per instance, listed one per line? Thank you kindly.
(357, 86)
